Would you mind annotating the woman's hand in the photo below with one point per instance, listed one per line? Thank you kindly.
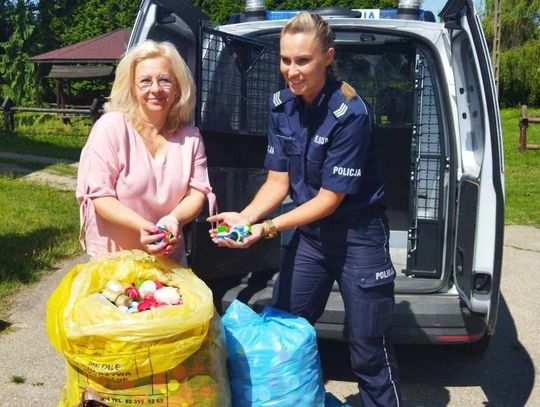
(170, 222)
(150, 234)
(173, 244)
(229, 218)
(257, 232)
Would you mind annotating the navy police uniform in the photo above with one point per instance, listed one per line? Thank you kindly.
(328, 144)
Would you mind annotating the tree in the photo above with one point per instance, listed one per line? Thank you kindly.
(71, 21)
(5, 10)
(520, 21)
(219, 11)
(315, 4)
(15, 68)
(519, 77)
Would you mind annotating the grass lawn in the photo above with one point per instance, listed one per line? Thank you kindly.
(522, 171)
(47, 136)
(57, 146)
(39, 227)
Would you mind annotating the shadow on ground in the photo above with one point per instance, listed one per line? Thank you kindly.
(13, 142)
(504, 373)
(21, 249)
(4, 325)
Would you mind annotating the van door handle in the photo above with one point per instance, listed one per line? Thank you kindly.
(459, 265)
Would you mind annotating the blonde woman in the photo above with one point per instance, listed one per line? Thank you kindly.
(143, 164)
(320, 150)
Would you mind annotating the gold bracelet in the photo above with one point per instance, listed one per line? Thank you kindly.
(272, 230)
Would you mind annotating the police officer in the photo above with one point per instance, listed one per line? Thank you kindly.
(320, 150)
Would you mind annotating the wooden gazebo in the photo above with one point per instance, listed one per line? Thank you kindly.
(89, 59)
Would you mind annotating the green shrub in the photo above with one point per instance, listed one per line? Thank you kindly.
(519, 80)
(51, 124)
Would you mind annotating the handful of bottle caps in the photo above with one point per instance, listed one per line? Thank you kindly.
(237, 233)
(166, 235)
(141, 296)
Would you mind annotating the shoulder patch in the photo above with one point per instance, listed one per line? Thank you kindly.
(281, 97)
(276, 99)
(340, 107)
(341, 110)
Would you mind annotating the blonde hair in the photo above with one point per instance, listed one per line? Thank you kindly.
(123, 99)
(306, 22)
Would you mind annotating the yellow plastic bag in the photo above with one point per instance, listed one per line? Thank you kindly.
(199, 381)
(99, 340)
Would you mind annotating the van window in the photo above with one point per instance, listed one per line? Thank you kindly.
(236, 78)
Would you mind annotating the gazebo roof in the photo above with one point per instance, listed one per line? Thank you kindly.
(107, 48)
(80, 71)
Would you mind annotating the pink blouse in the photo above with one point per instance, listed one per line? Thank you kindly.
(115, 162)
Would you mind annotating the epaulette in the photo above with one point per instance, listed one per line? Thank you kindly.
(343, 108)
(280, 97)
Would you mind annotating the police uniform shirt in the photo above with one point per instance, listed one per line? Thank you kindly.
(325, 144)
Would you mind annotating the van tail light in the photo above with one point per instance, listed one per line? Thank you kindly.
(460, 338)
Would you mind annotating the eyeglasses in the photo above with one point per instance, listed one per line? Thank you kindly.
(164, 82)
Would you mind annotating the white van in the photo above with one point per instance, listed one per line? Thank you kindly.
(438, 135)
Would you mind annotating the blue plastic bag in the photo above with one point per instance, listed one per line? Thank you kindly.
(273, 358)
(333, 401)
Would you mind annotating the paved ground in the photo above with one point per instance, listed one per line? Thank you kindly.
(25, 349)
(45, 175)
(431, 376)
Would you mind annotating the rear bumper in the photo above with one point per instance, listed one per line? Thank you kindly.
(418, 319)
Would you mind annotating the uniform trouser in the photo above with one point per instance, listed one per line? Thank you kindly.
(310, 267)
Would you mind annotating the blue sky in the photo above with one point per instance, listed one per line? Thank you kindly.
(436, 5)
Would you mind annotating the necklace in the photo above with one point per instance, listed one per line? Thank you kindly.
(153, 145)
(154, 142)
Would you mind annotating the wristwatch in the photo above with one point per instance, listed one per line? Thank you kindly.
(271, 228)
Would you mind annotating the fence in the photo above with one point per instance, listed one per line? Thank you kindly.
(9, 111)
(524, 121)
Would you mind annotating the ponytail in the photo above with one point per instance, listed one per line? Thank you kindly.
(348, 91)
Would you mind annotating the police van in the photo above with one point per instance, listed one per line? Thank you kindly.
(437, 133)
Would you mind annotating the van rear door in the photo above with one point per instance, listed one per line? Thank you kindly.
(480, 194)
(176, 21)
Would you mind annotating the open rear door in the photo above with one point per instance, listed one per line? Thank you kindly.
(480, 195)
(176, 21)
